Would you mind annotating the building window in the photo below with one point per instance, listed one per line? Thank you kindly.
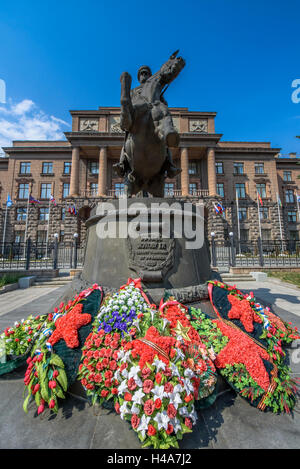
(119, 189)
(259, 168)
(21, 213)
(289, 196)
(261, 189)
(23, 191)
(242, 213)
(244, 235)
(63, 213)
(266, 235)
(240, 190)
(294, 235)
(67, 167)
(220, 189)
(44, 213)
(264, 213)
(219, 168)
(193, 188)
(93, 167)
(238, 168)
(169, 189)
(47, 168)
(292, 217)
(25, 168)
(287, 175)
(66, 189)
(19, 236)
(46, 190)
(193, 167)
(93, 188)
(41, 236)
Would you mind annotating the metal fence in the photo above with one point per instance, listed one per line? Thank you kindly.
(258, 253)
(224, 253)
(30, 255)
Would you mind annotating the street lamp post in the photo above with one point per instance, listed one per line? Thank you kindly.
(75, 250)
(213, 249)
(231, 253)
(55, 257)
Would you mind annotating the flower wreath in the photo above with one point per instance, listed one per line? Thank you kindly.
(252, 366)
(136, 356)
(46, 378)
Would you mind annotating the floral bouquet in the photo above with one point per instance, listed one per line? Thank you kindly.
(180, 325)
(159, 378)
(115, 324)
(18, 340)
(154, 374)
(46, 378)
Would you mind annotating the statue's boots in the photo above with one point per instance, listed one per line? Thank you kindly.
(172, 139)
(169, 167)
(172, 171)
(167, 129)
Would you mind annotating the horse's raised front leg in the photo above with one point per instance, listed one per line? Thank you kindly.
(126, 116)
(156, 186)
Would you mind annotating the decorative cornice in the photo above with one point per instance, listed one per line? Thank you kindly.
(115, 139)
(247, 150)
(39, 149)
(184, 111)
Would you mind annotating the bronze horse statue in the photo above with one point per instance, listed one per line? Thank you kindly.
(146, 158)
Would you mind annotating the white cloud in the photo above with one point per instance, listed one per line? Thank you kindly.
(23, 107)
(25, 121)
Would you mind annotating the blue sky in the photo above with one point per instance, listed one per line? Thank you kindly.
(241, 59)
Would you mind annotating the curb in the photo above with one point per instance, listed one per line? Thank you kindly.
(9, 287)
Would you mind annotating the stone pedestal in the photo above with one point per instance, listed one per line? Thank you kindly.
(161, 262)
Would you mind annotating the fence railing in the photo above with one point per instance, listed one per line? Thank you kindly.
(257, 253)
(31, 255)
(224, 253)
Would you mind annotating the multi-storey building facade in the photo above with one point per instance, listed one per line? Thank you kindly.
(78, 172)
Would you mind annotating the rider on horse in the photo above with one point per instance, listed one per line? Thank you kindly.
(162, 120)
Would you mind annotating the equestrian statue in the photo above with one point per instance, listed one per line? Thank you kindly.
(146, 158)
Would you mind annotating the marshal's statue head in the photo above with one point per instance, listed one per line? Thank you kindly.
(144, 73)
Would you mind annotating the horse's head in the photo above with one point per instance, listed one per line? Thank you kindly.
(172, 67)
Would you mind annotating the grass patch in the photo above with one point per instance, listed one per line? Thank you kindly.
(6, 279)
(290, 277)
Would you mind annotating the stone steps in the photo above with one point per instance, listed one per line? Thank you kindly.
(52, 282)
(232, 278)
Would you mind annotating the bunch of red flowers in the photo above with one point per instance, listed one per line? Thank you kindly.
(147, 353)
(241, 349)
(242, 310)
(100, 355)
(175, 314)
(46, 380)
(66, 327)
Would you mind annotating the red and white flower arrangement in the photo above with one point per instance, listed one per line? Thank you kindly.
(153, 374)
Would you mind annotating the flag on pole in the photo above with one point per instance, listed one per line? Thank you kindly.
(32, 200)
(298, 198)
(52, 199)
(9, 202)
(259, 198)
(279, 201)
(72, 209)
(219, 208)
